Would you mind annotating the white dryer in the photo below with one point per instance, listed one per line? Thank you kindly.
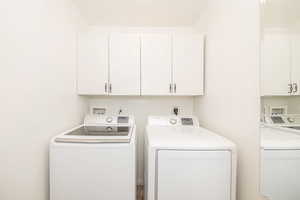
(280, 163)
(185, 161)
(95, 160)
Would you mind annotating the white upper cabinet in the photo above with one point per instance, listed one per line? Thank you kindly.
(147, 64)
(92, 63)
(156, 64)
(280, 64)
(295, 68)
(276, 64)
(188, 64)
(124, 62)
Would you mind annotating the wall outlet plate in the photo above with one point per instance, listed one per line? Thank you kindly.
(176, 110)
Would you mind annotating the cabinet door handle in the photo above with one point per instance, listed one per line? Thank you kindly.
(110, 88)
(170, 88)
(175, 88)
(295, 86)
(105, 87)
(290, 88)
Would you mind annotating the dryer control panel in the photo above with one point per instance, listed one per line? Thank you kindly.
(173, 121)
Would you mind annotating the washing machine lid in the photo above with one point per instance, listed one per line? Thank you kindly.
(181, 137)
(273, 138)
(97, 134)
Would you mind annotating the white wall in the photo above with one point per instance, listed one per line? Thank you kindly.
(141, 107)
(139, 30)
(141, 12)
(231, 103)
(38, 91)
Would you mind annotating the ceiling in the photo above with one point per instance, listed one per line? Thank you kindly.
(277, 13)
(141, 12)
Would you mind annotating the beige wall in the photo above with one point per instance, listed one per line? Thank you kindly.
(37, 85)
(231, 104)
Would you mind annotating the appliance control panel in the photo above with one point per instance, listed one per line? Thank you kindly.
(173, 121)
(104, 120)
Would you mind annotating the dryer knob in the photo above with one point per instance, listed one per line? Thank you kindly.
(173, 121)
(109, 129)
(109, 119)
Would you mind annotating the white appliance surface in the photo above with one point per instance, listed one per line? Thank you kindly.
(186, 137)
(187, 162)
(279, 138)
(280, 154)
(95, 170)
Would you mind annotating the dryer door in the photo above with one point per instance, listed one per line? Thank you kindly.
(193, 175)
(280, 174)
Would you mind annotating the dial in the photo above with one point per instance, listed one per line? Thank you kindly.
(173, 121)
(109, 119)
(109, 129)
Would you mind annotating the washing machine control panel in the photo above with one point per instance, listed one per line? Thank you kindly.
(173, 121)
(111, 120)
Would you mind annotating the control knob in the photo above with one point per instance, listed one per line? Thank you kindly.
(173, 121)
(109, 119)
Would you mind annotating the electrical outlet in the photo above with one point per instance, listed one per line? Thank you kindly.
(176, 110)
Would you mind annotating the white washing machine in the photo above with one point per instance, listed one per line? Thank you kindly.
(280, 164)
(95, 161)
(185, 161)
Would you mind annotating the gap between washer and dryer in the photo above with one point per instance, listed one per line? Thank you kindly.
(140, 192)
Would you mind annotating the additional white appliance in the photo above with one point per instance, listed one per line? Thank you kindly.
(185, 161)
(95, 160)
(280, 162)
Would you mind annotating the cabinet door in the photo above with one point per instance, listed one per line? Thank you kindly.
(92, 73)
(156, 64)
(280, 174)
(124, 64)
(276, 65)
(295, 68)
(188, 67)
